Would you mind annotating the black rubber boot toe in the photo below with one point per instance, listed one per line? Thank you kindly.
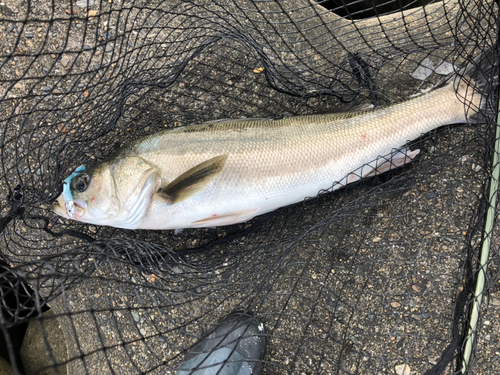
(235, 347)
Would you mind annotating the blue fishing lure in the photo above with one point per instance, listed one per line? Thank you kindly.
(66, 194)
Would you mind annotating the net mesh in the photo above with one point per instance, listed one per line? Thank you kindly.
(375, 278)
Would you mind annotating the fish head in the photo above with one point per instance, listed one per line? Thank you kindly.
(115, 193)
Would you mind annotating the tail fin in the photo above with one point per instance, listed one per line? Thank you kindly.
(476, 85)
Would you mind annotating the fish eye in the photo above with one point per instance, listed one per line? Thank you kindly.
(82, 182)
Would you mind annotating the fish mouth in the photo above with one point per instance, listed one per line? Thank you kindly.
(59, 207)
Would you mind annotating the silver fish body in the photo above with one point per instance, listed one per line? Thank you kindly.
(259, 165)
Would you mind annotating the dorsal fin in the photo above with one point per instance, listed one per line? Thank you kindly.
(226, 120)
(348, 108)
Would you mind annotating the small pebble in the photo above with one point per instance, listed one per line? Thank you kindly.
(476, 168)
(431, 195)
(65, 60)
(395, 304)
(10, 28)
(109, 47)
(494, 358)
(417, 288)
(176, 269)
(135, 316)
(403, 369)
(108, 35)
(86, 47)
(84, 3)
(47, 88)
(29, 35)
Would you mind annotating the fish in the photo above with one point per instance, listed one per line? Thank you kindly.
(225, 172)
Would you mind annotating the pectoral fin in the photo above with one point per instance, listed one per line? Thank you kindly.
(193, 180)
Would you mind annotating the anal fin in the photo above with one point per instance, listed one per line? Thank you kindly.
(381, 165)
(391, 161)
(227, 219)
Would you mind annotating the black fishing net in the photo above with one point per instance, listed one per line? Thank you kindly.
(376, 278)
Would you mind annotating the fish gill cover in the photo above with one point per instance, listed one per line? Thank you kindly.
(376, 278)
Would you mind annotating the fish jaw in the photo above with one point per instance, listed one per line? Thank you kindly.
(59, 207)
